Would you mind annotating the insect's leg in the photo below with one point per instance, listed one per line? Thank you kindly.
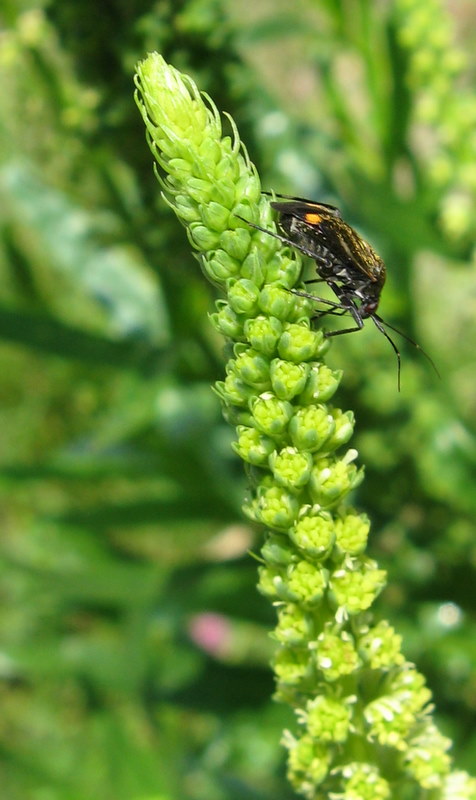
(280, 237)
(318, 299)
(336, 309)
(287, 197)
(328, 313)
(328, 334)
(332, 313)
(284, 196)
(348, 306)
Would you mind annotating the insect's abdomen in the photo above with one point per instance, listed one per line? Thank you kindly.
(328, 264)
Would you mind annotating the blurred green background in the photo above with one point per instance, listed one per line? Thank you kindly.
(133, 643)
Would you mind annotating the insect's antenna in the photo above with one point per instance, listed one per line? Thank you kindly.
(411, 341)
(379, 323)
(285, 196)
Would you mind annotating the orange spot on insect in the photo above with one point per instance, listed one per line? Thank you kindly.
(313, 219)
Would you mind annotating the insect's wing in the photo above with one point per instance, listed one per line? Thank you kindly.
(300, 207)
(326, 224)
(358, 253)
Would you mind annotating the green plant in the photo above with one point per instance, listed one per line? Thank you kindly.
(365, 725)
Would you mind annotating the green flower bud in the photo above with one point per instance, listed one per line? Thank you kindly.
(210, 152)
(233, 391)
(302, 583)
(308, 762)
(234, 415)
(336, 655)
(263, 333)
(292, 665)
(305, 584)
(299, 343)
(291, 468)
(389, 722)
(355, 586)
(182, 169)
(276, 302)
(253, 446)
(269, 582)
(363, 781)
(344, 428)
(331, 480)
(227, 170)
(302, 312)
(201, 170)
(276, 507)
(426, 758)
(393, 715)
(380, 646)
(258, 211)
(294, 626)
(236, 243)
(226, 321)
(266, 244)
(252, 368)
(224, 193)
(313, 533)
(351, 532)
(410, 687)
(202, 238)
(243, 296)
(283, 270)
(287, 380)
(254, 268)
(310, 427)
(186, 208)
(250, 508)
(271, 415)
(321, 384)
(327, 719)
(278, 551)
(248, 187)
(199, 190)
(219, 266)
(215, 216)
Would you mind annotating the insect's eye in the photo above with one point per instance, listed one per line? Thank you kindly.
(312, 218)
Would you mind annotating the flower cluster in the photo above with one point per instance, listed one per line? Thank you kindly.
(352, 691)
(445, 108)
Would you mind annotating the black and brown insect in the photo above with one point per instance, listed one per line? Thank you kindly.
(344, 261)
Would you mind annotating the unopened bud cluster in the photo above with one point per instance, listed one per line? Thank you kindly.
(351, 689)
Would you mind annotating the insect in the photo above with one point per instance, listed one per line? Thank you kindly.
(344, 261)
